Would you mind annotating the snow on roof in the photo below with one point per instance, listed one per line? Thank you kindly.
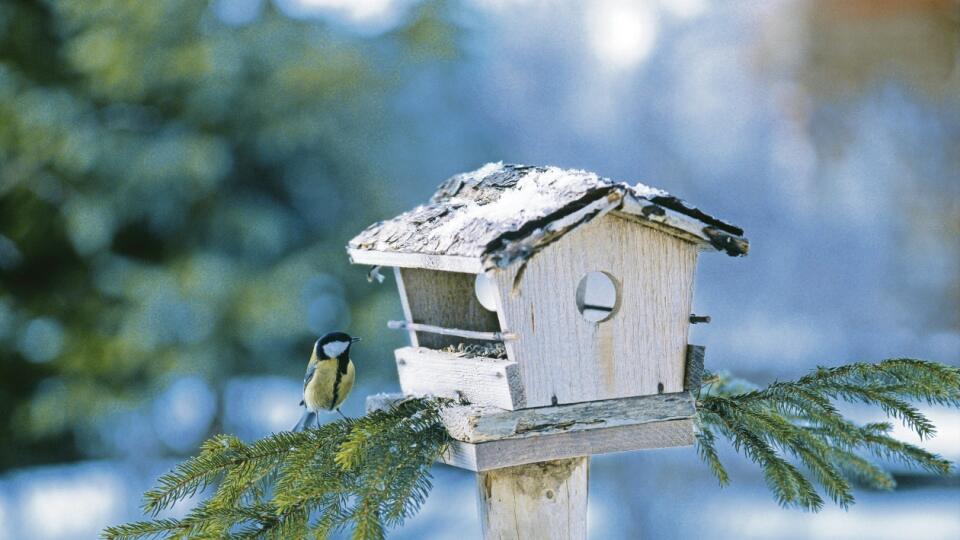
(504, 213)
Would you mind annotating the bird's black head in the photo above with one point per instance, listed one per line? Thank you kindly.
(334, 344)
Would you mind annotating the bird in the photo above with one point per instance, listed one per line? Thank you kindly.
(329, 377)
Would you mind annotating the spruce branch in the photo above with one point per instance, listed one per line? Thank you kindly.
(371, 473)
(706, 449)
(157, 528)
(799, 419)
(368, 474)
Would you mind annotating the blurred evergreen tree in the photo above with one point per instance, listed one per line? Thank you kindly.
(175, 193)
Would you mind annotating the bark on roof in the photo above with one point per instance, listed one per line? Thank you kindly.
(503, 213)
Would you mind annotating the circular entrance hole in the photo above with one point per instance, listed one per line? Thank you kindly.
(597, 296)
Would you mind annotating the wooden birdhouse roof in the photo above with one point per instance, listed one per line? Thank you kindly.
(500, 214)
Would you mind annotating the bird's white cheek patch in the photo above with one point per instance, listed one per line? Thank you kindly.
(335, 348)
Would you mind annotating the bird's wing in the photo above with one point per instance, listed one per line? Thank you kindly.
(311, 369)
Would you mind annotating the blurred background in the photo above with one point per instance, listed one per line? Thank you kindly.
(178, 180)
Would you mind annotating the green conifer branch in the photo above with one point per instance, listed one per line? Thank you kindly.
(371, 473)
(799, 419)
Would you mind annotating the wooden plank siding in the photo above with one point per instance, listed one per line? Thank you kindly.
(640, 350)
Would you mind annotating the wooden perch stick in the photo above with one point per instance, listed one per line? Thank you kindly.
(469, 334)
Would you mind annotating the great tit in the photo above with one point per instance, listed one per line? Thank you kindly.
(329, 377)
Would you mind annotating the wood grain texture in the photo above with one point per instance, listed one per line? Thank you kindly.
(469, 334)
(444, 299)
(564, 358)
(668, 221)
(502, 213)
(693, 372)
(531, 502)
(478, 423)
(509, 452)
(485, 381)
(449, 263)
(544, 233)
(398, 277)
(488, 438)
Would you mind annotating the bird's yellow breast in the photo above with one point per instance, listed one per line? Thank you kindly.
(320, 394)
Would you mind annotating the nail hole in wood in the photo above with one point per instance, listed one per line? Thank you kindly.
(660, 388)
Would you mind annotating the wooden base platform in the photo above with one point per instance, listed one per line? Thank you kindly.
(487, 437)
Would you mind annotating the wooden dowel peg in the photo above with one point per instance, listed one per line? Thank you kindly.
(468, 334)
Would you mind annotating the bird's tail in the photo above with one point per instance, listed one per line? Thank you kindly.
(306, 420)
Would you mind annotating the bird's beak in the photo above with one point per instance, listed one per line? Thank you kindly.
(354, 339)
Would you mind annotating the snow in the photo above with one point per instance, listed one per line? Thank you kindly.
(473, 209)
(534, 196)
(485, 171)
(646, 192)
(539, 194)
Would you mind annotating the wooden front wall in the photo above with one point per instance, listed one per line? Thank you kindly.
(563, 358)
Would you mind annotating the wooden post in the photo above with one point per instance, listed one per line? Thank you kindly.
(546, 500)
(532, 475)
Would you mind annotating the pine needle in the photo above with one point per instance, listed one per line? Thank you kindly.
(799, 419)
(369, 474)
(366, 474)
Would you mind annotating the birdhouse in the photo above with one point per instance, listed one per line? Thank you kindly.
(541, 291)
